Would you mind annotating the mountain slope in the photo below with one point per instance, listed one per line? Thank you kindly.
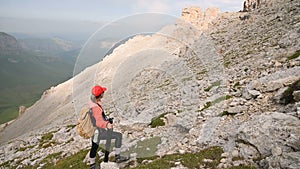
(26, 74)
(232, 82)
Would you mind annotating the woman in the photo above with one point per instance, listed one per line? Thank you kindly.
(104, 128)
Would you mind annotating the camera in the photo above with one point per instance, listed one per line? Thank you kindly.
(111, 120)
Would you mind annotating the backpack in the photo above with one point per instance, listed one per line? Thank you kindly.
(86, 123)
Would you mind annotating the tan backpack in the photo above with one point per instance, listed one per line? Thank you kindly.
(86, 123)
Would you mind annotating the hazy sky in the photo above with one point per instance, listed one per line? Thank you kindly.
(99, 10)
(72, 16)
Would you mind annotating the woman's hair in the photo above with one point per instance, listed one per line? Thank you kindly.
(94, 98)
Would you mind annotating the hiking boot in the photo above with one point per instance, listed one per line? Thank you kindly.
(120, 158)
(106, 156)
(94, 166)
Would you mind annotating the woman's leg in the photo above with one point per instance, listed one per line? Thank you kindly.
(93, 153)
(94, 149)
(118, 137)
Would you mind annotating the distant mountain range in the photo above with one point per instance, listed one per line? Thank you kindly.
(30, 66)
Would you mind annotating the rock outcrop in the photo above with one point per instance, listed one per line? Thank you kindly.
(234, 85)
(8, 43)
(250, 5)
(22, 110)
(200, 19)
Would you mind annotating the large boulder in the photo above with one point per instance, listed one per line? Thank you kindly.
(271, 135)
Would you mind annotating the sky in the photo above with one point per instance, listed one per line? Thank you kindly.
(41, 16)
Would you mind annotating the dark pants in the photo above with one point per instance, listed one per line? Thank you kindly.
(107, 135)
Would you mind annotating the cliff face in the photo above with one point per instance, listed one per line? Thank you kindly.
(251, 5)
(225, 81)
(201, 20)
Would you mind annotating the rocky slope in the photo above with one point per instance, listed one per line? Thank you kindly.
(227, 79)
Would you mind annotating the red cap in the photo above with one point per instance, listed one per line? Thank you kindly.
(98, 90)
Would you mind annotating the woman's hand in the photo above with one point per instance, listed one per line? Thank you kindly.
(110, 126)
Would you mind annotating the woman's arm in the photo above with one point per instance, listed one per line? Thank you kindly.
(100, 121)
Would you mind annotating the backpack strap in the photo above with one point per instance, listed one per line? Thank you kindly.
(103, 113)
(92, 117)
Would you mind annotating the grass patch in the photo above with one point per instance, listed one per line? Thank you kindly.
(226, 113)
(243, 167)
(295, 55)
(47, 136)
(158, 121)
(237, 85)
(145, 149)
(202, 72)
(214, 84)
(237, 158)
(25, 148)
(218, 100)
(74, 161)
(226, 64)
(189, 160)
(7, 164)
(70, 127)
(207, 105)
(50, 158)
(222, 98)
(46, 140)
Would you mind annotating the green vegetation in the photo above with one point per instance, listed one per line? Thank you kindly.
(70, 127)
(158, 121)
(26, 76)
(220, 99)
(295, 55)
(25, 148)
(145, 149)
(189, 160)
(202, 72)
(46, 140)
(49, 159)
(207, 105)
(243, 167)
(74, 161)
(226, 64)
(237, 158)
(214, 84)
(7, 164)
(237, 85)
(226, 113)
